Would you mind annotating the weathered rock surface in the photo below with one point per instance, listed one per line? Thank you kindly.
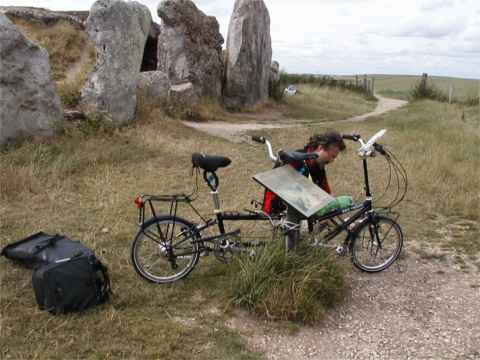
(274, 78)
(249, 55)
(154, 85)
(182, 96)
(119, 31)
(190, 47)
(29, 105)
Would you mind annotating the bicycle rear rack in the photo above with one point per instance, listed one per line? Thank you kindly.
(147, 201)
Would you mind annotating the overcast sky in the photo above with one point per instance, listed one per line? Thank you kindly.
(440, 37)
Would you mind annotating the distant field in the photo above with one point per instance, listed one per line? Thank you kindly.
(399, 86)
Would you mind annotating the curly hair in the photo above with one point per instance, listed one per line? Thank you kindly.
(326, 140)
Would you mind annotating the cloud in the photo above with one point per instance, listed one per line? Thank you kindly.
(427, 27)
(435, 5)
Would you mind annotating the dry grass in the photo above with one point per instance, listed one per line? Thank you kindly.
(83, 185)
(63, 41)
(439, 145)
(398, 86)
(326, 104)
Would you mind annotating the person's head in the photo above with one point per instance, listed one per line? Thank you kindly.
(327, 145)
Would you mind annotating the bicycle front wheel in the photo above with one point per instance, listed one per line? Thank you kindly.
(377, 244)
(165, 249)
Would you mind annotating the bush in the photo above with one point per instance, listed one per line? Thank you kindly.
(425, 89)
(298, 286)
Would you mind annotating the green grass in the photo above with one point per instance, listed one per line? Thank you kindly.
(298, 286)
(400, 86)
(326, 104)
(83, 185)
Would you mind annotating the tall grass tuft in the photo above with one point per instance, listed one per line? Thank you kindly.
(298, 286)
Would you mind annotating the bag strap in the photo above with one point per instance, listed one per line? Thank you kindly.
(51, 242)
(106, 289)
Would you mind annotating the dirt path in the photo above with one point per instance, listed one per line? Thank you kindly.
(418, 310)
(233, 132)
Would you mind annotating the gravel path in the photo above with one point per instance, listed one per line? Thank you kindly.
(417, 310)
(233, 132)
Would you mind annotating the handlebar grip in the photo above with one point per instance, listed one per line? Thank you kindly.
(353, 137)
(259, 139)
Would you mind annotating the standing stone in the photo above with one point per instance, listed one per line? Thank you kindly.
(154, 86)
(190, 47)
(249, 55)
(29, 105)
(119, 31)
(275, 72)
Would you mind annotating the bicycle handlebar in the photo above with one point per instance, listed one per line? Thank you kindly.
(262, 140)
(353, 137)
(259, 139)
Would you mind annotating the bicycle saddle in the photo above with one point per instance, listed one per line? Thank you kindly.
(209, 162)
(295, 156)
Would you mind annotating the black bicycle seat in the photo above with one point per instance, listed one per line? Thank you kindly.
(295, 156)
(210, 162)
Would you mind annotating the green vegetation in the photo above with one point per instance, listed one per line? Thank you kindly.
(400, 86)
(326, 104)
(56, 39)
(298, 286)
(83, 182)
(72, 57)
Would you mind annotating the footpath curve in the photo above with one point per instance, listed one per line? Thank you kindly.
(232, 132)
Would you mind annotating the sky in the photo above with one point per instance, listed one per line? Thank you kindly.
(343, 37)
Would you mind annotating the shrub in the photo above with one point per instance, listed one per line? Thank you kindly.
(425, 89)
(298, 286)
(97, 123)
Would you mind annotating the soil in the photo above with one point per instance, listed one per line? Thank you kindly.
(414, 310)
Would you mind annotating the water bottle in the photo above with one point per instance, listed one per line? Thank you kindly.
(341, 202)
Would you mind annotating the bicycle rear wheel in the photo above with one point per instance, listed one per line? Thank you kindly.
(377, 244)
(165, 249)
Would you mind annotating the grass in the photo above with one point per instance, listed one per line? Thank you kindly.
(400, 86)
(439, 146)
(299, 286)
(71, 55)
(82, 184)
(326, 104)
(56, 39)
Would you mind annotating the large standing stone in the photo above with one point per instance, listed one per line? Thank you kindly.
(154, 86)
(28, 102)
(249, 55)
(119, 31)
(190, 47)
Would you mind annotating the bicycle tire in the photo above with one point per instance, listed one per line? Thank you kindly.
(179, 257)
(366, 241)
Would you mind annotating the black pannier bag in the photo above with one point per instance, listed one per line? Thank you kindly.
(41, 248)
(67, 276)
(73, 284)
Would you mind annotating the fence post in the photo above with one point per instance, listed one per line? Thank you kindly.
(423, 85)
(365, 83)
(373, 86)
(450, 93)
(356, 81)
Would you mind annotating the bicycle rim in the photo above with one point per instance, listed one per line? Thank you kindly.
(377, 244)
(165, 250)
